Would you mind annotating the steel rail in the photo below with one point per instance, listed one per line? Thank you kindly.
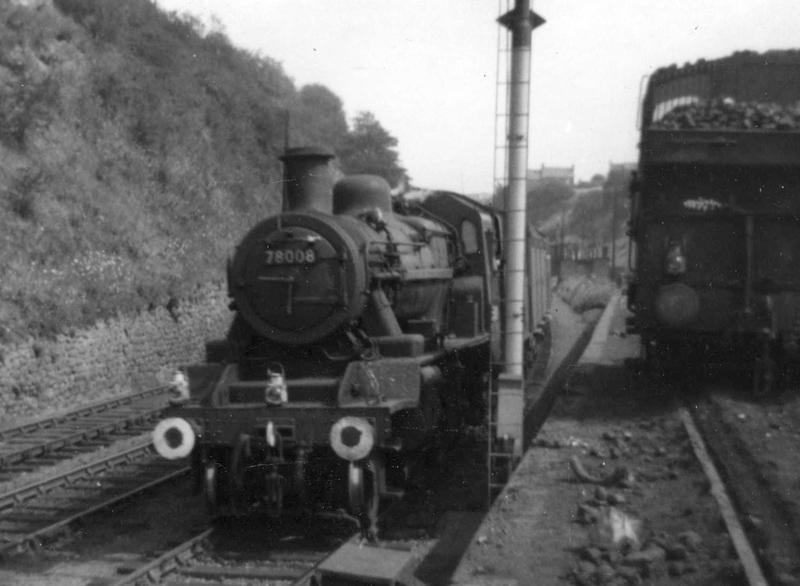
(20, 495)
(98, 407)
(86, 489)
(175, 561)
(744, 550)
(47, 437)
(166, 562)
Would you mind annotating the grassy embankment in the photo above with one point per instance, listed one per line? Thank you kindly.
(136, 148)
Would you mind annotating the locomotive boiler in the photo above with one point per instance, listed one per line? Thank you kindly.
(361, 327)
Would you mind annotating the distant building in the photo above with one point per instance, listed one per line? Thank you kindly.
(565, 175)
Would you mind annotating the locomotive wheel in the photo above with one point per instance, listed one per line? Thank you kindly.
(211, 487)
(363, 493)
(237, 487)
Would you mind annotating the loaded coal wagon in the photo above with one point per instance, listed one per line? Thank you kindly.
(716, 216)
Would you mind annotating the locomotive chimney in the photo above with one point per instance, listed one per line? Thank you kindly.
(309, 180)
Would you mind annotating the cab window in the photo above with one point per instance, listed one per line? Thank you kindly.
(469, 237)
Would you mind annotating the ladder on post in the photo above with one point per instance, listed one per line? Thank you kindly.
(506, 405)
(499, 462)
(502, 109)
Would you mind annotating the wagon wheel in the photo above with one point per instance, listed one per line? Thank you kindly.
(655, 362)
(764, 369)
(764, 372)
(363, 493)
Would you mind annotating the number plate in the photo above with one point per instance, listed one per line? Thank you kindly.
(290, 257)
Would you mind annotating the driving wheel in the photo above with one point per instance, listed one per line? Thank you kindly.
(363, 493)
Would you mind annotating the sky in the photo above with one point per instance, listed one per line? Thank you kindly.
(428, 69)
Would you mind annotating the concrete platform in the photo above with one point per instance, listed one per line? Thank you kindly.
(463, 533)
(524, 537)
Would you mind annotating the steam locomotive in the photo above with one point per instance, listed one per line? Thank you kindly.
(362, 326)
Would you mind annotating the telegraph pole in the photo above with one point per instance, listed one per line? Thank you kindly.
(613, 271)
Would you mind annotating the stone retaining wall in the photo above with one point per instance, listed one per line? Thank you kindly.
(112, 358)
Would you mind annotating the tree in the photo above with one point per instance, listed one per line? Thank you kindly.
(616, 194)
(321, 119)
(369, 148)
(589, 218)
(545, 198)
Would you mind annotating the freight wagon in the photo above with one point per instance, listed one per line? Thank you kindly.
(716, 217)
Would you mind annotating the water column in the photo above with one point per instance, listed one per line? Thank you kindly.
(510, 404)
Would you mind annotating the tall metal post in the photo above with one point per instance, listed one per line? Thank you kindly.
(510, 406)
(613, 272)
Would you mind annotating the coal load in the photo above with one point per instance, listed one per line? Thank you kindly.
(727, 114)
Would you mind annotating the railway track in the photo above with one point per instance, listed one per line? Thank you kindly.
(320, 549)
(769, 515)
(195, 559)
(744, 550)
(35, 512)
(41, 511)
(46, 441)
(723, 467)
(757, 507)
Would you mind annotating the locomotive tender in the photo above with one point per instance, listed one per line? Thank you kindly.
(362, 325)
(715, 212)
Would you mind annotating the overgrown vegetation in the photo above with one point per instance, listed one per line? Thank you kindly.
(137, 148)
(587, 216)
(546, 199)
(585, 292)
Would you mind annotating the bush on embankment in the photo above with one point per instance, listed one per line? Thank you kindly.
(135, 150)
(585, 292)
